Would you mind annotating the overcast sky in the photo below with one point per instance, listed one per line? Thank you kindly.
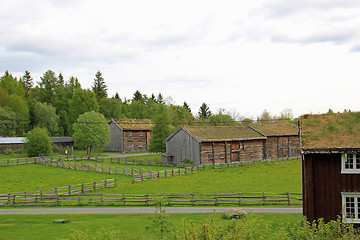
(244, 56)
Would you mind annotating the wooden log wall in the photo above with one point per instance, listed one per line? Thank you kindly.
(231, 151)
(135, 141)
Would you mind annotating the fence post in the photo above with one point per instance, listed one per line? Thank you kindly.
(8, 162)
(192, 199)
(288, 197)
(172, 172)
(94, 185)
(263, 197)
(13, 202)
(146, 199)
(105, 183)
(114, 182)
(78, 198)
(185, 171)
(111, 160)
(239, 199)
(41, 193)
(69, 191)
(216, 199)
(9, 198)
(57, 199)
(17, 161)
(118, 160)
(142, 176)
(169, 199)
(124, 200)
(101, 199)
(165, 173)
(82, 187)
(36, 199)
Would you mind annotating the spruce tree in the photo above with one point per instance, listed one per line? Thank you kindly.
(99, 87)
(28, 83)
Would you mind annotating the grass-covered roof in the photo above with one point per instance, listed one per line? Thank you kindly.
(223, 133)
(276, 128)
(135, 124)
(334, 130)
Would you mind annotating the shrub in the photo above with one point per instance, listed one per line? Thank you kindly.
(9, 151)
(38, 142)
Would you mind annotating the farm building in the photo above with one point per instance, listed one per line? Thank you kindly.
(330, 145)
(62, 142)
(282, 139)
(129, 135)
(13, 143)
(16, 143)
(208, 145)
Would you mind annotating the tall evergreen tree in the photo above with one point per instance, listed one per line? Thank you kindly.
(138, 96)
(47, 87)
(28, 83)
(204, 112)
(99, 87)
(186, 107)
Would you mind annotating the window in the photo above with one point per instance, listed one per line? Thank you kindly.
(350, 163)
(140, 134)
(351, 206)
(210, 156)
(130, 144)
(129, 134)
(140, 144)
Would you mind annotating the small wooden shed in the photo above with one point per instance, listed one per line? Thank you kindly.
(129, 135)
(282, 139)
(330, 145)
(209, 145)
(13, 143)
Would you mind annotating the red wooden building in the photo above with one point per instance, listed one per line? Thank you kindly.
(330, 145)
(129, 135)
(282, 139)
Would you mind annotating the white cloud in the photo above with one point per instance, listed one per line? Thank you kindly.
(243, 55)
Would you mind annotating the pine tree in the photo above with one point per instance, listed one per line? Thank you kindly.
(204, 112)
(186, 106)
(137, 96)
(28, 83)
(99, 87)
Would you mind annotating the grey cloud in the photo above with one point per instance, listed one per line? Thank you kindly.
(284, 8)
(355, 48)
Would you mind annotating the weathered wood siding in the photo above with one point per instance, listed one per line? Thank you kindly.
(136, 140)
(116, 139)
(282, 146)
(13, 146)
(323, 184)
(183, 146)
(231, 151)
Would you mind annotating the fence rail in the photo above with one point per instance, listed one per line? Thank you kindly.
(29, 196)
(149, 199)
(142, 176)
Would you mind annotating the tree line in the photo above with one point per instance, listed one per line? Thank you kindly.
(55, 103)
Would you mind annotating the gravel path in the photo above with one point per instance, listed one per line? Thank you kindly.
(130, 210)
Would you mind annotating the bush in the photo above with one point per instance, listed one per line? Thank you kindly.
(9, 151)
(38, 142)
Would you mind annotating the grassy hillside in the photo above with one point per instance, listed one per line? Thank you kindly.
(266, 177)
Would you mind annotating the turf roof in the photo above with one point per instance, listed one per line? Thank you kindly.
(135, 124)
(277, 129)
(223, 133)
(335, 130)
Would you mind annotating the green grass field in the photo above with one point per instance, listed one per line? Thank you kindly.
(284, 176)
(131, 225)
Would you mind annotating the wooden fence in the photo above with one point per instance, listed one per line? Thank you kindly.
(142, 176)
(238, 199)
(20, 198)
(251, 162)
(32, 160)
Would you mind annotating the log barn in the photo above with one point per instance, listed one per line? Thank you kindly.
(330, 146)
(282, 139)
(129, 135)
(209, 145)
